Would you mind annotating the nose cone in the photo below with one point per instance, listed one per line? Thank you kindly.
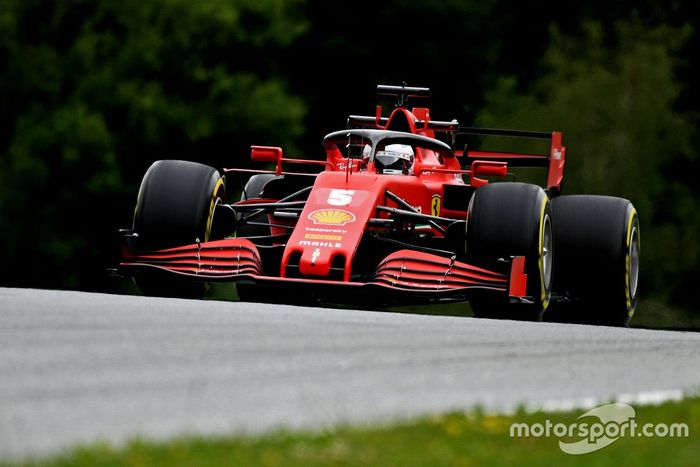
(332, 224)
(317, 257)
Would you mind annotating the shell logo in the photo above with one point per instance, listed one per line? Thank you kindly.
(332, 217)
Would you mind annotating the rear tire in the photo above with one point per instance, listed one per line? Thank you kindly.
(175, 207)
(512, 219)
(597, 262)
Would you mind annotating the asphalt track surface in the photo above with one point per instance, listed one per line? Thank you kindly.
(79, 367)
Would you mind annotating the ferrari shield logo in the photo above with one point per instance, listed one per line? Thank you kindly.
(435, 205)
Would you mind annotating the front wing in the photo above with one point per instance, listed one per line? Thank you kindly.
(406, 272)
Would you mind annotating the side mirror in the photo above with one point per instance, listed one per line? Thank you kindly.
(265, 154)
(486, 169)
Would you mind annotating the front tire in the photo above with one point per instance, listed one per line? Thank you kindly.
(597, 263)
(175, 206)
(512, 219)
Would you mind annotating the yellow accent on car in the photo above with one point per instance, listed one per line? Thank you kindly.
(331, 217)
(435, 205)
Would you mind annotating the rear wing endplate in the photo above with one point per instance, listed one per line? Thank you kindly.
(553, 162)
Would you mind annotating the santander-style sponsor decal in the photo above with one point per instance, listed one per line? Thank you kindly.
(337, 217)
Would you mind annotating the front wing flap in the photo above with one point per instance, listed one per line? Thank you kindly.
(406, 271)
(211, 261)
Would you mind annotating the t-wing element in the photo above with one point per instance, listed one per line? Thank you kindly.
(403, 93)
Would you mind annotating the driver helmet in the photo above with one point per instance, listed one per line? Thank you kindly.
(395, 159)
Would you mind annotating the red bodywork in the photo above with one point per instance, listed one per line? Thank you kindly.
(348, 202)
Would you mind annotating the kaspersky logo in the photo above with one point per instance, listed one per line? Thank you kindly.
(332, 217)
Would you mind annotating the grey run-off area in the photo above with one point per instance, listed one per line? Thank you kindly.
(79, 367)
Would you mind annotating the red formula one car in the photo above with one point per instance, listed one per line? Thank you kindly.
(396, 214)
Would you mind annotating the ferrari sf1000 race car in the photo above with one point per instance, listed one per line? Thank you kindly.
(401, 211)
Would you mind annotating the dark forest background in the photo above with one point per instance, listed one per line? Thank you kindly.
(93, 91)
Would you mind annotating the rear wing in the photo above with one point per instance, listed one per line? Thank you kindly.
(553, 162)
(457, 137)
(418, 121)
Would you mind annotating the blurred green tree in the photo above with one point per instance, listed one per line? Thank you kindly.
(94, 91)
(614, 98)
(451, 46)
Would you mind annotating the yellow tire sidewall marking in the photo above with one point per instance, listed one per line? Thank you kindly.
(212, 205)
(544, 294)
(628, 294)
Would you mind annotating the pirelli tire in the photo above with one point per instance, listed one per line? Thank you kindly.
(597, 240)
(506, 220)
(175, 206)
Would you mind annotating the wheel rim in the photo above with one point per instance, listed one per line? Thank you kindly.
(634, 263)
(547, 252)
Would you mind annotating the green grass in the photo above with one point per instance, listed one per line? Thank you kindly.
(455, 439)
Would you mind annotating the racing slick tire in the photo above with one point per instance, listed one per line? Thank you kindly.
(175, 206)
(506, 220)
(250, 292)
(597, 262)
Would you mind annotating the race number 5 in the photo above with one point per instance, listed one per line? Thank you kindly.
(340, 197)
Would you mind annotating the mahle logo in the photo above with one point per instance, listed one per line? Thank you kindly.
(614, 421)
